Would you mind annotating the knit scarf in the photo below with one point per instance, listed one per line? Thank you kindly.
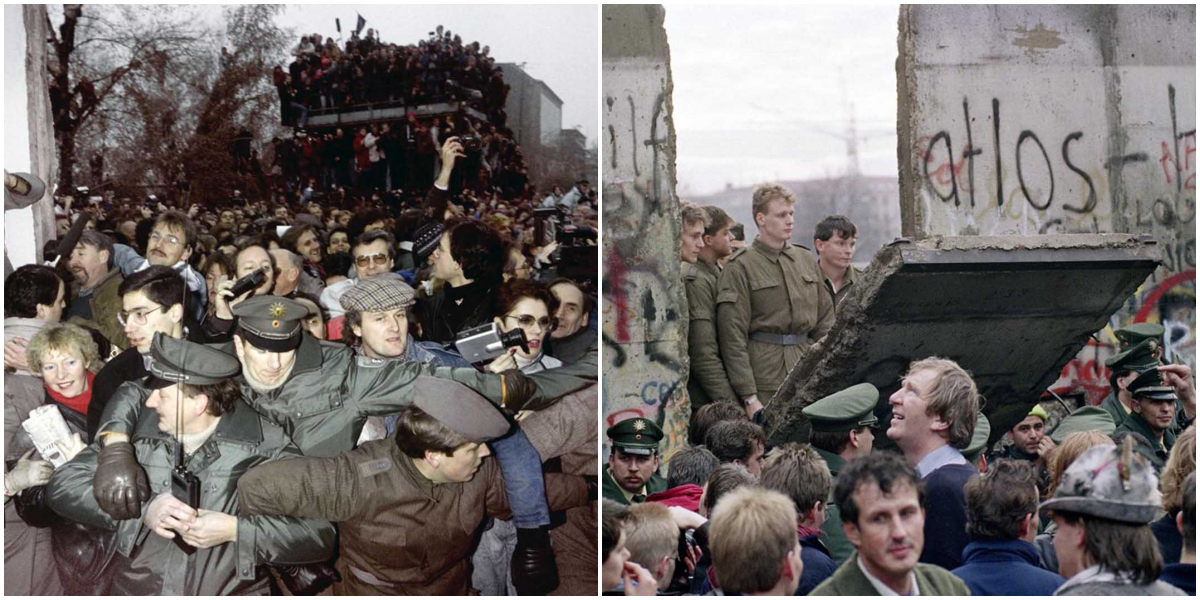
(80, 402)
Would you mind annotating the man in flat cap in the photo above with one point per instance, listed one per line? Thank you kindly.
(197, 404)
(842, 430)
(1102, 510)
(411, 505)
(322, 394)
(378, 313)
(378, 318)
(632, 472)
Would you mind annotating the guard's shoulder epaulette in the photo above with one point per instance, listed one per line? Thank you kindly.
(373, 467)
(735, 255)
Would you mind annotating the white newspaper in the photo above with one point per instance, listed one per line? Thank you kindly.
(46, 426)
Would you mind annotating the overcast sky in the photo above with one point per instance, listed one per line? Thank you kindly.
(558, 43)
(762, 92)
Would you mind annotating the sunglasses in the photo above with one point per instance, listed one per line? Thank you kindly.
(366, 259)
(527, 321)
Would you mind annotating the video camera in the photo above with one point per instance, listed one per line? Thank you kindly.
(485, 342)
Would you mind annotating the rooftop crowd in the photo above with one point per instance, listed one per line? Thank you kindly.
(324, 426)
(1100, 500)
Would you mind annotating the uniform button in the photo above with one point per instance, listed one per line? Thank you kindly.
(245, 571)
(298, 414)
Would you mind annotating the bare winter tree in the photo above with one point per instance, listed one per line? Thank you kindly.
(95, 52)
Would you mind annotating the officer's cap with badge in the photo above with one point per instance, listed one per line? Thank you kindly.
(1138, 358)
(1109, 482)
(1086, 418)
(849, 409)
(173, 361)
(271, 323)
(636, 436)
(1135, 333)
(1150, 385)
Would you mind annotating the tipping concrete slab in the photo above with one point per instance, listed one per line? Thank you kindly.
(1010, 309)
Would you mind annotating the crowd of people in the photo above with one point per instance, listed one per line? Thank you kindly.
(399, 157)
(425, 370)
(1099, 501)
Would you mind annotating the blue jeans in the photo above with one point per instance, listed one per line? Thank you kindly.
(522, 469)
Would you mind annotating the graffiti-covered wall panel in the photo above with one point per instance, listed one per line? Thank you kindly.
(1030, 120)
(644, 312)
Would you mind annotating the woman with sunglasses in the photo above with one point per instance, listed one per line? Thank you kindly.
(529, 305)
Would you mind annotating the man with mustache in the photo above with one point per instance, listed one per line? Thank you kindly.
(632, 472)
(882, 498)
(97, 302)
(171, 243)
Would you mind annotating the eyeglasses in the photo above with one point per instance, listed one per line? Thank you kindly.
(168, 239)
(138, 316)
(366, 259)
(527, 321)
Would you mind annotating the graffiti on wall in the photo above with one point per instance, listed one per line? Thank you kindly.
(986, 168)
(643, 310)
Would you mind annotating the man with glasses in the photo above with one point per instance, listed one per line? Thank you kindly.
(373, 255)
(322, 394)
(170, 245)
(151, 302)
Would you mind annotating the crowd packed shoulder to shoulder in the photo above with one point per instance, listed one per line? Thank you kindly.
(1098, 502)
(340, 356)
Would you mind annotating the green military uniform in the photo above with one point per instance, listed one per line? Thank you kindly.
(330, 392)
(1150, 387)
(849, 409)
(852, 274)
(634, 436)
(849, 580)
(147, 564)
(707, 381)
(771, 306)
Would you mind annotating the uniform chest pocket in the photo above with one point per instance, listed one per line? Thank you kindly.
(761, 282)
(310, 402)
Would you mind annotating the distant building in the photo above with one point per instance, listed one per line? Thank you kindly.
(534, 110)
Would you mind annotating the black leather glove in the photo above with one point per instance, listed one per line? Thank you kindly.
(120, 484)
(308, 580)
(534, 572)
(518, 390)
